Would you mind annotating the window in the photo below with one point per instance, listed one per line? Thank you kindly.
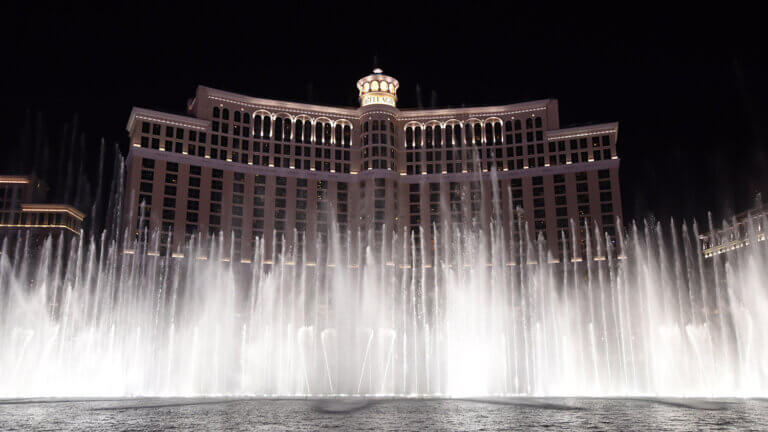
(267, 127)
(298, 134)
(279, 129)
(257, 126)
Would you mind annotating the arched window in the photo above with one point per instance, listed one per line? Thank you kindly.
(508, 126)
(417, 137)
(347, 135)
(365, 127)
(307, 132)
(468, 135)
(409, 137)
(299, 133)
(225, 114)
(428, 137)
(246, 118)
(237, 116)
(267, 127)
(489, 133)
(449, 136)
(327, 134)
(257, 125)
(279, 129)
(518, 125)
(538, 122)
(287, 129)
(497, 133)
(438, 136)
(318, 133)
(478, 133)
(338, 135)
(457, 135)
(528, 123)
(216, 112)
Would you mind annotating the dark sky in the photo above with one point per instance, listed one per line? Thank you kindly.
(686, 86)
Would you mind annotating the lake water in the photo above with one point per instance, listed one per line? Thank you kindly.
(398, 414)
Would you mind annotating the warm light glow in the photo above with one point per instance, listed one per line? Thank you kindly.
(13, 180)
(38, 226)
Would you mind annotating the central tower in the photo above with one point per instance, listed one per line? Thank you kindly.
(378, 155)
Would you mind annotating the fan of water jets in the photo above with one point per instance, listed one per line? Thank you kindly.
(646, 316)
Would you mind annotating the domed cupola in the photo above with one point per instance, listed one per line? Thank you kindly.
(378, 89)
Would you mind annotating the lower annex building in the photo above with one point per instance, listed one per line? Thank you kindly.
(257, 168)
(26, 214)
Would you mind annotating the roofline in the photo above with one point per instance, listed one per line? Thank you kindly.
(271, 103)
(304, 108)
(612, 127)
(413, 113)
(144, 113)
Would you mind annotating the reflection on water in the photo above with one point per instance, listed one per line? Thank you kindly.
(385, 414)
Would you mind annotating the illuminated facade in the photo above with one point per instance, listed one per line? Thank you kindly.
(257, 168)
(22, 210)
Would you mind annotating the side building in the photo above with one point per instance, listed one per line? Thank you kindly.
(745, 227)
(257, 168)
(24, 213)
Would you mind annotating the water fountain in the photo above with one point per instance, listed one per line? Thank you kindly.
(648, 315)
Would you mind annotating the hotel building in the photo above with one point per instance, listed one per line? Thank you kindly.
(258, 168)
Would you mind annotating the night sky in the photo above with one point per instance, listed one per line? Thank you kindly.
(687, 86)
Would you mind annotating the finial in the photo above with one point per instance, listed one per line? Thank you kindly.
(378, 71)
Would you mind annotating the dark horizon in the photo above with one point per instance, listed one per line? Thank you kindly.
(685, 87)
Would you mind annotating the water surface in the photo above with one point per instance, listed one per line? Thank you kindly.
(392, 414)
